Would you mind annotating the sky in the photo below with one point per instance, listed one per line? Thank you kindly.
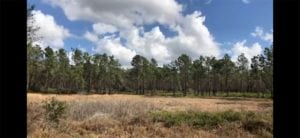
(160, 29)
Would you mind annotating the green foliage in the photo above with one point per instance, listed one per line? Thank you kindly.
(257, 123)
(196, 119)
(246, 95)
(139, 72)
(55, 109)
(183, 65)
(250, 121)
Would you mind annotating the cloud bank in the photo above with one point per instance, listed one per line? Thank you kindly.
(118, 28)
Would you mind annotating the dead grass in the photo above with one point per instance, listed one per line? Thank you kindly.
(125, 116)
(166, 103)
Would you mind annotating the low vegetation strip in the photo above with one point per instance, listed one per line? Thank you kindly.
(250, 121)
(196, 119)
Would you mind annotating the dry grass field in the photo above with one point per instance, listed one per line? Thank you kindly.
(125, 116)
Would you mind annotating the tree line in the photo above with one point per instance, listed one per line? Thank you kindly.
(50, 70)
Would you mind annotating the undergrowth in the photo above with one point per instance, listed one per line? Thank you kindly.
(253, 122)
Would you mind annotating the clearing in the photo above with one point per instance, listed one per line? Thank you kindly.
(121, 115)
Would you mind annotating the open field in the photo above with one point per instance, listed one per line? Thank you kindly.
(141, 116)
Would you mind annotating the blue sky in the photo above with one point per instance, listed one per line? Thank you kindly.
(233, 26)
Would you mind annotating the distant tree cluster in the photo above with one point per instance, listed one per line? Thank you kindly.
(49, 70)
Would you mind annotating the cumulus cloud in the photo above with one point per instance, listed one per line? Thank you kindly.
(151, 45)
(112, 46)
(128, 18)
(249, 51)
(51, 33)
(259, 32)
(120, 13)
(194, 39)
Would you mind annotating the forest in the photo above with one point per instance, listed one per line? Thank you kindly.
(50, 70)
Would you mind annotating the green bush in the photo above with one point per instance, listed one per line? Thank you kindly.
(196, 119)
(256, 123)
(55, 109)
(246, 94)
(250, 121)
(230, 116)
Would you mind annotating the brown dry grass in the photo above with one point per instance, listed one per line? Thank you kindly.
(125, 116)
(167, 103)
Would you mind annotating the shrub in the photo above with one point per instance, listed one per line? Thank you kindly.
(196, 119)
(209, 120)
(55, 109)
(231, 116)
(256, 124)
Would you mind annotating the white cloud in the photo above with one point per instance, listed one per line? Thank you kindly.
(129, 17)
(120, 13)
(151, 45)
(246, 1)
(249, 51)
(51, 33)
(259, 32)
(91, 36)
(194, 39)
(112, 46)
(102, 28)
